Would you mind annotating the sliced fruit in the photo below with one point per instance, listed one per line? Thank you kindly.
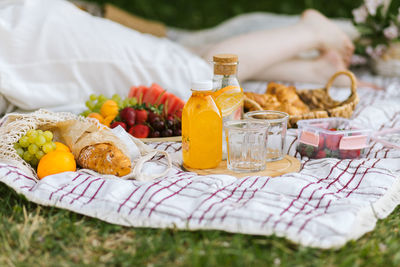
(153, 94)
(228, 99)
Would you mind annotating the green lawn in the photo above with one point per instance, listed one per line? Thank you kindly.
(197, 14)
(32, 235)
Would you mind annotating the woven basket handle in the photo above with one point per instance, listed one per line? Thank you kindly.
(353, 79)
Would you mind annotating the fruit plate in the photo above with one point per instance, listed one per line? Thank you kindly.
(276, 168)
(162, 139)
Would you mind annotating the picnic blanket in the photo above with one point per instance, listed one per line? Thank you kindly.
(329, 202)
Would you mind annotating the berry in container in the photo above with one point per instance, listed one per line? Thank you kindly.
(332, 138)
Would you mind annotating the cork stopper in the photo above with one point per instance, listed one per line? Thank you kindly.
(225, 64)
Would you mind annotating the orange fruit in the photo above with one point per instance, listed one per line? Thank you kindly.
(62, 147)
(56, 161)
(96, 116)
(109, 108)
(107, 120)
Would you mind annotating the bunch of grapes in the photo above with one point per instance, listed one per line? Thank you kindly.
(34, 145)
(163, 127)
(96, 101)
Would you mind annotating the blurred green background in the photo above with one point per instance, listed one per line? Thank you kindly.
(198, 14)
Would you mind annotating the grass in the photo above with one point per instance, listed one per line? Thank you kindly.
(33, 235)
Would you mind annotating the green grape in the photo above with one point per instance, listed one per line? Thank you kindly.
(33, 148)
(34, 162)
(39, 132)
(27, 156)
(40, 140)
(48, 135)
(39, 154)
(120, 103)
(101, 98)
(20, 151)
(93, 97)
(115, 97)
(90, 105)
(31, 132)
(85, 113)
(48, 147)
(32, 138)
(132, 101)
(16, 146)
(53, 145)
(23, 141)
(126, 102)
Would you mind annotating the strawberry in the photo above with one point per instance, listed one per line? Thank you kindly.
(141, 116)
(118, 123)
(320, 154)
(350, 154)
(332, 141)
(139, 131)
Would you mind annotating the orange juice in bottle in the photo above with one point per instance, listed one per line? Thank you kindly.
(201, 129)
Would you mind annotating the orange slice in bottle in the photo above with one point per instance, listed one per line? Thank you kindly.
(228, 99)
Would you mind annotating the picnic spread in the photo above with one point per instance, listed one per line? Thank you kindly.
(327, 203)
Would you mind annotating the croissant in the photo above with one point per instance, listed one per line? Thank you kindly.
(281, 98)
(94, 148)
(105, 159)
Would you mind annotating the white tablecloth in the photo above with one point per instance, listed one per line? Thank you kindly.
(326, 204)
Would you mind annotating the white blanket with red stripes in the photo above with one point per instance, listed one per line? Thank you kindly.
(326, 204)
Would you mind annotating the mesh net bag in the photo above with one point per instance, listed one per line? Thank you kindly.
(13, 126)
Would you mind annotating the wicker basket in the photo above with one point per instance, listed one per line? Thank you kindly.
(320, 102)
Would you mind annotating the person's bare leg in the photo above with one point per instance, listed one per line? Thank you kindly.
(261, 49)
(302, 70)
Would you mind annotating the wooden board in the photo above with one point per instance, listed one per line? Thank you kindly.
(276, 168)
(162, 139)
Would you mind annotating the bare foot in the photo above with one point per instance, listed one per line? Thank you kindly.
(328, 34)
(328, 64)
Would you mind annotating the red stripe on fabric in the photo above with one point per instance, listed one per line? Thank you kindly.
(144, 193)
(128, 198)
(64, 186)
(97, 191)
(340, 175)
(362, 177)
(352, 177)
(239, 199)
(84, 191)
(313, 217)
(87, 178)
(167, 197)
(159, 190)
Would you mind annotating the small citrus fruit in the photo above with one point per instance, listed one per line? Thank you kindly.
(107, 120)
(109, 108)
(62, 147)
(96, 116)
(56, 161)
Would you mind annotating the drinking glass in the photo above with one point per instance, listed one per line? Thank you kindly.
(277, 131)
(246, 142)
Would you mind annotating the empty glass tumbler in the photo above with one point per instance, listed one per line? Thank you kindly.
(246, 143)
(277, 131)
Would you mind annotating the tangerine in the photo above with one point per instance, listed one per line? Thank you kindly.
(97, 116)
(62, 147)
(54, 162)
(109, 108)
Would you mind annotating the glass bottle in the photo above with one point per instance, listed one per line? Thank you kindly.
(201, 128)
(228, 93)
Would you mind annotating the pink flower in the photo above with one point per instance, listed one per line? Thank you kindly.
(360, 14)
(372, 6)
(376, 52)
(391, 32)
